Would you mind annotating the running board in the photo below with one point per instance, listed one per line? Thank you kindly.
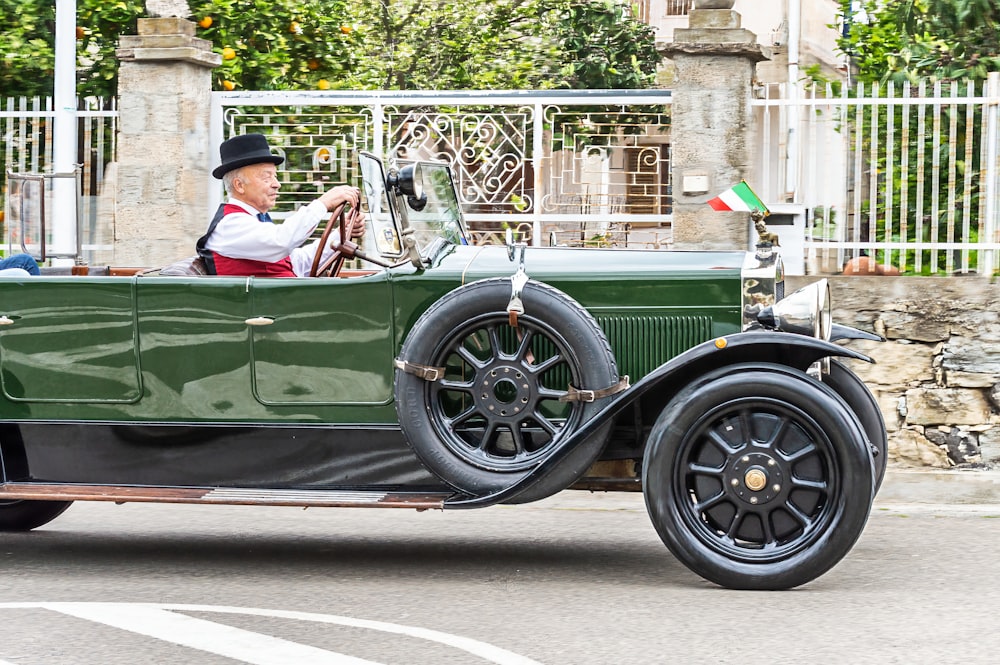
(226, 495)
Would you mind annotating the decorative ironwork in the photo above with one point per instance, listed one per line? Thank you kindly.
(487, 151)
(319, 146)
(581, 166)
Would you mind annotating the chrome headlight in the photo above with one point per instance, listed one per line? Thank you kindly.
(805, 312)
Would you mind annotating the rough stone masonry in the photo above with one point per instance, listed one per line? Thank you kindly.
(937, 377)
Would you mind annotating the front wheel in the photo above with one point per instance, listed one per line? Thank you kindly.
(757, 479)
(26, 515)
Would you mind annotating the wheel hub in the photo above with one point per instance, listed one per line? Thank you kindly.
(756, 478)
(504, 392)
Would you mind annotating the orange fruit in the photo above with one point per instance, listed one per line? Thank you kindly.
(228, 53)
(206, 22)
(323, 84)
(346, 29)
(79, 32)
(228, 85)
(313, 64)
(295, 28)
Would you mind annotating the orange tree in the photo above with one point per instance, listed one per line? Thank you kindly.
(503, 44)
(368, 44)
(277, 45)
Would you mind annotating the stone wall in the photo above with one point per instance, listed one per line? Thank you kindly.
(937, 377)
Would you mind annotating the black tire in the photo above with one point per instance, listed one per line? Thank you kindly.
(495, 414)
(853, 391)
(26, 515)
(758, 479)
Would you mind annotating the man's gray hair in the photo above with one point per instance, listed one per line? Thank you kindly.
(228, 177)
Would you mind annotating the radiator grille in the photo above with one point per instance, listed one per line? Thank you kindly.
(644, 342)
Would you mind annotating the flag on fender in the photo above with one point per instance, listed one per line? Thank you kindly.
(740, 199)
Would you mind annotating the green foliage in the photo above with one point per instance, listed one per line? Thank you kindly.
(27, 56)
(370, 44)
(909, 40)
(277, 45)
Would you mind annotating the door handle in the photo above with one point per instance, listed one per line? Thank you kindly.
(259, 321)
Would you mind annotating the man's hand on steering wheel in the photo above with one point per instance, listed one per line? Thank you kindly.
(358, 230)
(350, 225)
(340, 195)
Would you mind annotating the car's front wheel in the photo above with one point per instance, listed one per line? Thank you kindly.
(757, 479)
(26, 515)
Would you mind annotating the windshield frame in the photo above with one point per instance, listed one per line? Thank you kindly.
(431, 221)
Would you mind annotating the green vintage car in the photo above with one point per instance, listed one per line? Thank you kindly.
(446, 375)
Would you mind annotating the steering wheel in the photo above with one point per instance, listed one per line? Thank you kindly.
(343, 251)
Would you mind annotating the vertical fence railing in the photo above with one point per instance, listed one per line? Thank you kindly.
(26, 145)
(909, 175)
(906, 175)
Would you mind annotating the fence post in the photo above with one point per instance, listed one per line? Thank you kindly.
(164, 94)
(711, 123)
(991, 227)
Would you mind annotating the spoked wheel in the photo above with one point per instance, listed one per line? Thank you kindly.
(495, 412)
(758, 480)
(26, 515)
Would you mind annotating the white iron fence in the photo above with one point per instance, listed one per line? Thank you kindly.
(905, 174)
(26, 145)
(581, 168)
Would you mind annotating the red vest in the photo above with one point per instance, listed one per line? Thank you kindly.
(248, 267)
(245, 267)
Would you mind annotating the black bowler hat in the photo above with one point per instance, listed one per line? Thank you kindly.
(244, 150)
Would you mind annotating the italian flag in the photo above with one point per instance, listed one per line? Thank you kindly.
(740, 198)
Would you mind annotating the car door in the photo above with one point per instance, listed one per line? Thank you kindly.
(69, 339)
(322, 341)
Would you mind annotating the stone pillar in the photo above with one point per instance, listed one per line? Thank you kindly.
(711, 124)
(164, 91)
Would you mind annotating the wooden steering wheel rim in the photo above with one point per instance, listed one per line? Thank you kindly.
(316, 270)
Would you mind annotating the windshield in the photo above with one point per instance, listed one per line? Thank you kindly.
(441, 217)
(378, 210)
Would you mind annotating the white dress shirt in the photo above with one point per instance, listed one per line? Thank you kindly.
(241, 235)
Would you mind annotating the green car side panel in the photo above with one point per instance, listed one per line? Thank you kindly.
(331, 341)
(179, 349)
(194, 346)
(69, 342)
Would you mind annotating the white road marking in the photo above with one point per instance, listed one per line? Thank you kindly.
(207, 636)
(162, 621)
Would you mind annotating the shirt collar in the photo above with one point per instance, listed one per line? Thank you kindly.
(246, 206)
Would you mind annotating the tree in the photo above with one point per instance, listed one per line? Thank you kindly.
(909, 40)
(506, 44)
(370, 44)
(27, 54)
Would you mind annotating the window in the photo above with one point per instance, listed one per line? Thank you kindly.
(679, 7)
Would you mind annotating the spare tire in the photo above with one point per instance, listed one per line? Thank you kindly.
(495, 413)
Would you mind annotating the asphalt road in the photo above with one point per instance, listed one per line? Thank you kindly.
(575, 579)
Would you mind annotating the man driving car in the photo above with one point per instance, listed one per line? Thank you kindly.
(242, 240)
